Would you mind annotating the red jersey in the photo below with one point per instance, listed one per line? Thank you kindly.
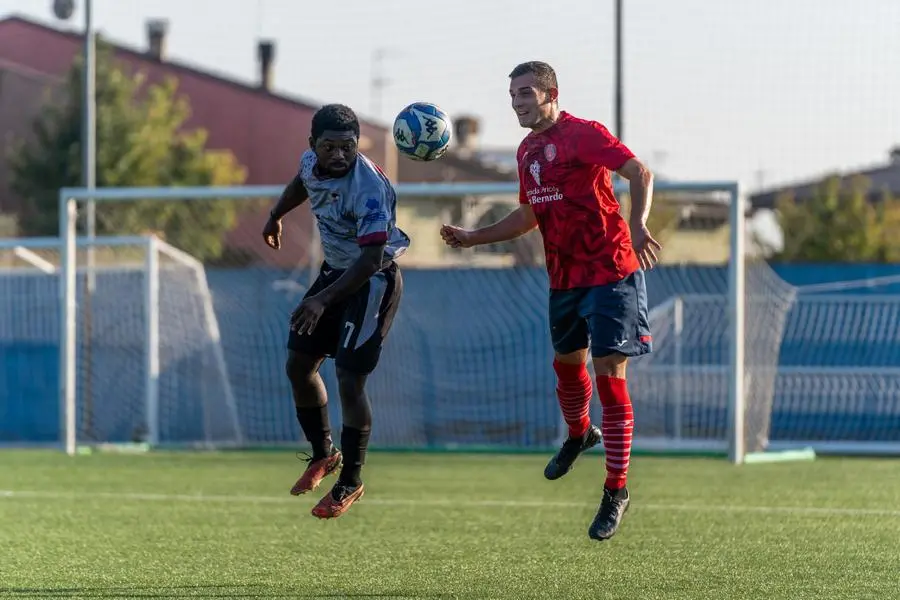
(564, 173)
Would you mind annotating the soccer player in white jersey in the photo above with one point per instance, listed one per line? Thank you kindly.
(348, 311)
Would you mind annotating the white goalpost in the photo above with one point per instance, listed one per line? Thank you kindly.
(719, 401)
(139, 283)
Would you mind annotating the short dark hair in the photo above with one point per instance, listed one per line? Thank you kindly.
(334, 117)
(544, 75)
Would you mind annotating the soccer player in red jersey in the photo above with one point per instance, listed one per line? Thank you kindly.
(596, 261)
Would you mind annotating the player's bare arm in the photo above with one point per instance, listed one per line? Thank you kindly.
(294, 195)
(305, 317)
(640, 181)
(515, 224)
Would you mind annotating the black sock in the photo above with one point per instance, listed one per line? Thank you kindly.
(314, 423)
(354, 443)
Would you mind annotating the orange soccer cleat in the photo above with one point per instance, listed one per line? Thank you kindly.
(316, 471)
(338, 500)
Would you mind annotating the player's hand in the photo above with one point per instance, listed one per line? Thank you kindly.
(272, 233)
(456, 237)
(645, 246)
(306, 316)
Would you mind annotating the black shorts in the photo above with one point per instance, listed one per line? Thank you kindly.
(607, 318)
(353, 331)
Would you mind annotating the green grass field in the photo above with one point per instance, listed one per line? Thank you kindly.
(222, 525)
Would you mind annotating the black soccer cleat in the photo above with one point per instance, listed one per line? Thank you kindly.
(609, 516)
(561, 464)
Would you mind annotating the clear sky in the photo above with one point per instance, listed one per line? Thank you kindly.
(714, 89)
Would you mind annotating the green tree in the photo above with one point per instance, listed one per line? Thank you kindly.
(141, 141)
(888, 216)
(663, 219)
(839, 223)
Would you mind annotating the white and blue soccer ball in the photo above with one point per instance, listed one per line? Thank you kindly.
(422, 131)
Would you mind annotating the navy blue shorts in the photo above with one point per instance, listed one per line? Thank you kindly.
(605, 318)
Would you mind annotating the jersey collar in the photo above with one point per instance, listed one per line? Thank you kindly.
(563, 116)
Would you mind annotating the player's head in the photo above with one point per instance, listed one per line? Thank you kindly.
(534, 93)
(335, 139)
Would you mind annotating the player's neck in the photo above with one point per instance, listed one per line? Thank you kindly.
(548, 122)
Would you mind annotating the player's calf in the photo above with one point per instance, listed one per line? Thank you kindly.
(311, 405)
(310, 401)
(354, 443)
(357, 424)
(573, 391)
(617, 428)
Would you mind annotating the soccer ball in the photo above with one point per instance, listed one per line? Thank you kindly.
(422, 131)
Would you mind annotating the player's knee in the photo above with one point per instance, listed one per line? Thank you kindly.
(301, 368)
(578, 357)
(611, 365)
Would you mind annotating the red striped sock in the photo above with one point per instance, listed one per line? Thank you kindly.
(573, 390)
(617, 427)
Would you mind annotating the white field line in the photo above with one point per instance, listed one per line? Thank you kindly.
(387, 501)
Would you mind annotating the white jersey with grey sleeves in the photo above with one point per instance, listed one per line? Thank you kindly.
(356, 210)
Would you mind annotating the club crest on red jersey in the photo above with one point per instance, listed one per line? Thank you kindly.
(550, 152)
(535, 170)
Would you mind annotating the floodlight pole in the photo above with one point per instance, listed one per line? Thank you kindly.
(89, 130)
(89, 180)
(618, 58)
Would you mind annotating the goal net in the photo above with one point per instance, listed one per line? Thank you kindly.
(467, 363)
(682, 388)
(149, 365)
(174, 322)
(838, 377)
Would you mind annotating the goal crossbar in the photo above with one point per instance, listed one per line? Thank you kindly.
(729, 188)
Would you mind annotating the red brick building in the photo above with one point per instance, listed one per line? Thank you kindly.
(266, 131)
